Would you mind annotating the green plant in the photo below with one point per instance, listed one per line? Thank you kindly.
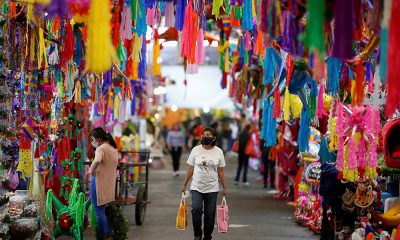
(6, 219)
(118, 223)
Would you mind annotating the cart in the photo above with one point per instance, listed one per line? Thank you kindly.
(124, 195)
(125, 189)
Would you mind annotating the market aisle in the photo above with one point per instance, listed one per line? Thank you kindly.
(254, 214)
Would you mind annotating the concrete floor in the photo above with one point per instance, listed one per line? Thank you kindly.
(253, 213)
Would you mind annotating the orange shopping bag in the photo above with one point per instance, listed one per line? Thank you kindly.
(181, 218)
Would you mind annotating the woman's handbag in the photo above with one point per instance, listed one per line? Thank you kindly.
(235, 146)
(181, 218)
(223, 217)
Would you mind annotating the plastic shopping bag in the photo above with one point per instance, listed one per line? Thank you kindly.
(181, 218)
(223, 217)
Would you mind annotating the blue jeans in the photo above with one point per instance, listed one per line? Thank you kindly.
(210, 205)
(102, 224)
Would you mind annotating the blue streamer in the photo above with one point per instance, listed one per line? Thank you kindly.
(142, 63)
(313, 88)
(107, 82)
(141, 25)
(368, 71)
(247, 19)
(268, 129)
(304, 133)
(78, 48)
(150, 3)
(133, 104)
(269, 66)
(180, 14)
(383, 55)
(334, 68)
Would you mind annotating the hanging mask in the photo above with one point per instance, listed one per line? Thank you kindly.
(207, 140)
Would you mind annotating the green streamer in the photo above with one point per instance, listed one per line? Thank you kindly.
(313, 37)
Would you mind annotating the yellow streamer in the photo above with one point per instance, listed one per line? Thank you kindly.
(99, 50)
(42, 50)
(286, 105)
(78, 92)
(156, 56)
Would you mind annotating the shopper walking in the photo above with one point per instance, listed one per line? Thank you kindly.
(206, 166)
(103, 178)
(244, 137)
(175, 143)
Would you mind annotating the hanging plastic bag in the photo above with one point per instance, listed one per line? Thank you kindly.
(181, 218)
(235, 146)
(223, 217)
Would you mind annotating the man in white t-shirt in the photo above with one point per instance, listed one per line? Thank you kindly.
(206, 166)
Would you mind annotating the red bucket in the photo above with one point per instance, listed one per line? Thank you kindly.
(391, 143)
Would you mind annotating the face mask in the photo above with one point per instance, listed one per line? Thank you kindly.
(207, 140)
(95, 144)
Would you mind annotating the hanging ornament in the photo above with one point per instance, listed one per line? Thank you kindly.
(99, 50)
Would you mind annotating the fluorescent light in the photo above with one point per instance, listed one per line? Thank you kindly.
(174, 108)
(206, 109)
(157, 116)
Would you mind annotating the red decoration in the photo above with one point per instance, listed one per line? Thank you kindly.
(65, 221)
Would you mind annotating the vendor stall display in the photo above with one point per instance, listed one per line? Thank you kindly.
(67, 66)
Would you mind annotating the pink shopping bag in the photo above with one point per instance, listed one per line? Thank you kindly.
(223, 217)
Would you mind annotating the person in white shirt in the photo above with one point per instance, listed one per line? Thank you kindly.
(206, 166)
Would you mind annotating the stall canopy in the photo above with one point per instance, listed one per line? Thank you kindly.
(202, 90)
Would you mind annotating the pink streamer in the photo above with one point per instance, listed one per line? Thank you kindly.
(126, 23)
(373, 156)
(200, 48)
(320, 105)
(151, 16)
(169, 14)
(362, 151)
(192, 69)
(340, 133)
(247, 41)
(352, 155)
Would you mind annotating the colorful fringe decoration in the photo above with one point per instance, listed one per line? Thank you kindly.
(189, 34)
(289, 73)
(200, 47)
(169, 14)
(276, 113)
(247, 19)
(350, 172)
(393, 81)
(99, 50)
(359, 91)
(156, 58)
(361, 156)
(338, 134)
(180, 14)
(217, 4)
(320, 103)
(313, 98)
(387, 7)
(334, 68)
(268, 131)
(343, 32)
(304, 133)
(126, 23)
(270, 66)
(140, 17)
(314, 34)
(264, 15)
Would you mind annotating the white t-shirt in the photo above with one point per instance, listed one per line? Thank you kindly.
(206, 164)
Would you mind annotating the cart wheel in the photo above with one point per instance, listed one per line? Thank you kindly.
(140, 210)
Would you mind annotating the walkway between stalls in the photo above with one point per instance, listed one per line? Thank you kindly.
(254, 214)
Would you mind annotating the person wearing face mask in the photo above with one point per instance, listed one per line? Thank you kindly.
(103, 177)
(175, 143)
(206, 166)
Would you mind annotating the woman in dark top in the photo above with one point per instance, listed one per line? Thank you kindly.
(243, 157)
